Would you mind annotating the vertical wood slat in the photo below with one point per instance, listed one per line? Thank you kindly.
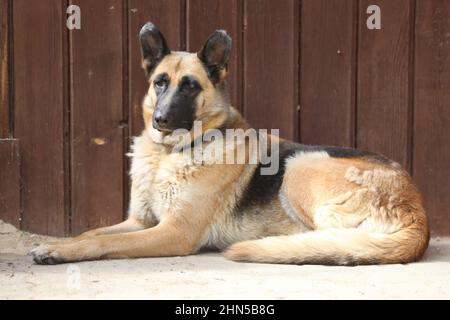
(431, 154)
(4, 70)
(203, 18)
(167, 15)
(327, 72)
(10, 181)
(383, 80)
(97, 116)
(38, 112)
(66, 123)
(270, 65)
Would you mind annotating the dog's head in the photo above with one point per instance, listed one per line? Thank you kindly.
(184, 87)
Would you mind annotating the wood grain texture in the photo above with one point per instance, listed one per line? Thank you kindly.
(168, 15)
(38, 111)
(10, 181)
(206, 16)
(327, 72)
(270, 65)
(431, 156)
(383, 80)
(386, 91)
(5, 128)
(96, 116)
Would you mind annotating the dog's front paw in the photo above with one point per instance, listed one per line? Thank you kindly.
(46, 254)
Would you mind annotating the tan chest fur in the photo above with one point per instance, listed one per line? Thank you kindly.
(169, 183)
(160, 179)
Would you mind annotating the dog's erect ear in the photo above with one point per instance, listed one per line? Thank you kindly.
(215, 55)
(153, 47)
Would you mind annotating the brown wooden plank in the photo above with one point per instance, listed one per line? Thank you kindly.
(38, 112)
(327, 72)
(168, 16)
(203, 18)
(10, 181)
(96, 116)
(4, 69)
(431, 156)
(66, 124)
(270, 65)
(383, 80)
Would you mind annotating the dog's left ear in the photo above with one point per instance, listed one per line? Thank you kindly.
(215, 55)
(153, 47)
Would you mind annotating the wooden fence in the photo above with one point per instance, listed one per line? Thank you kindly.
(70, 99)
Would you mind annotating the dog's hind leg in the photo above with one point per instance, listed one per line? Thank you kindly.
(349, 246)
(362, 213)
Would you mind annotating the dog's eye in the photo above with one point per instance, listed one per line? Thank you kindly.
(160, 84)
(189, 84)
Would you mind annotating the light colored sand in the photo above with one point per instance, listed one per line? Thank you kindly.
(210, 276)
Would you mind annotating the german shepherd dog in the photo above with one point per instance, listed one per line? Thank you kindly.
(325, 205)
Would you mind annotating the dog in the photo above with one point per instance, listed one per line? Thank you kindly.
(324, 205)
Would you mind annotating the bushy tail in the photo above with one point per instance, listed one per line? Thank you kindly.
(337, 247)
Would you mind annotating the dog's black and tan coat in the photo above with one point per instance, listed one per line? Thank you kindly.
(325, 205)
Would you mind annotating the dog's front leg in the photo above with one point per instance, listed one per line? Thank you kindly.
(128, 225)
(172, 237)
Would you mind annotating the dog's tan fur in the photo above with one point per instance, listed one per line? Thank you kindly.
(329, 210)
(362, 213)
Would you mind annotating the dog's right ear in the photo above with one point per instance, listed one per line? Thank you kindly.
(153, 47)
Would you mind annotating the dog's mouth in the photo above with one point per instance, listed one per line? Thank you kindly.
(163, 130)
(168, 130)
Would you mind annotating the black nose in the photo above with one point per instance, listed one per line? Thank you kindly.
(160, 120)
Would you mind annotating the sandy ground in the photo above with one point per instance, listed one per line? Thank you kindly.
(210, 276)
